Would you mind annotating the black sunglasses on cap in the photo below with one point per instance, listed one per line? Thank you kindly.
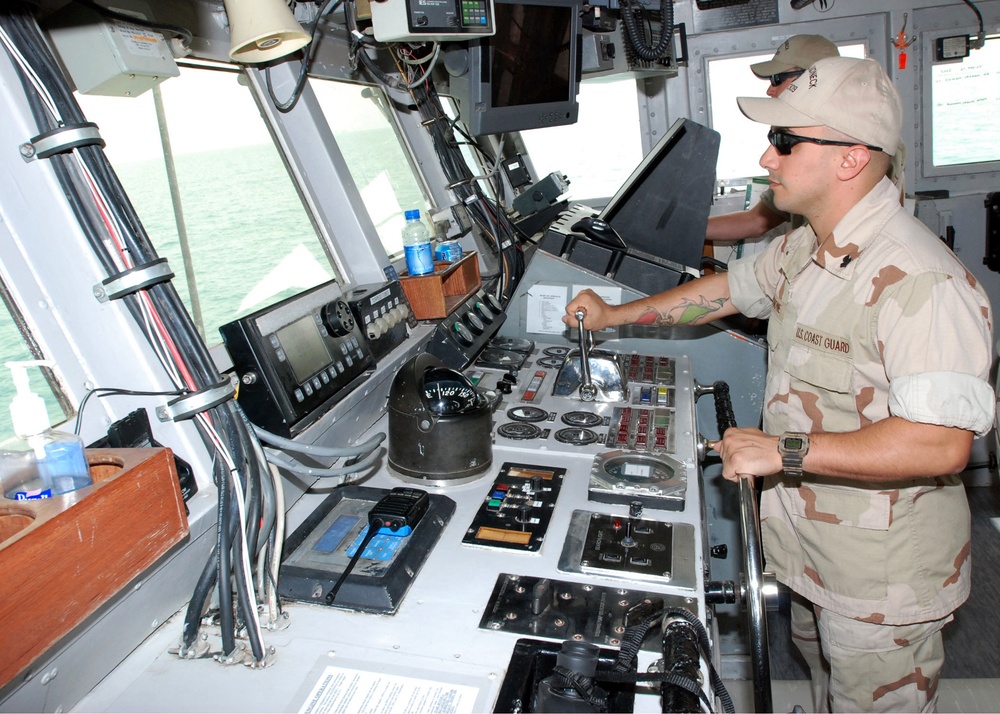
(783, 141)
(778, 79)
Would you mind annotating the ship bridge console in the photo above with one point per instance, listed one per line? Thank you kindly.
(515, 522)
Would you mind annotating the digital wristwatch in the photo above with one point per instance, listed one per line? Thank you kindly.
(793, 447)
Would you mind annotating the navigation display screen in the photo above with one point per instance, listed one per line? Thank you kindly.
(532, 41)
(304, 348)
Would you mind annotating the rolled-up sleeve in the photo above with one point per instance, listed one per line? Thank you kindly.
(745, 291)
(937, 340)
(945, 399)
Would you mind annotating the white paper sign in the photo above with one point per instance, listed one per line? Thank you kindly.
(354, 691)
(610, 294)
(546, 305)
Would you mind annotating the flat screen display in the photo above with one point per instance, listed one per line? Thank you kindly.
(662, 208)
(531, 60)
(304, 348)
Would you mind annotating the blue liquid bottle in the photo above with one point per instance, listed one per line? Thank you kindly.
(417, 245)
(41, 462)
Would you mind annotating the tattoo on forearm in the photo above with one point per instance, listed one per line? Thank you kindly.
(687, 312)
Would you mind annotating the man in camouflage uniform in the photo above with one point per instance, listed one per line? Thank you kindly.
(788, 63)
(879, 347)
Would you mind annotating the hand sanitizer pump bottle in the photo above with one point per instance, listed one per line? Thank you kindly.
(41, 462)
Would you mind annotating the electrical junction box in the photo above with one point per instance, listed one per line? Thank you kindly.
(951, 48)
(108, 56)
(431, 20)
(542, 194)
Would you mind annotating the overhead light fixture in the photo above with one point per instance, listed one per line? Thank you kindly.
(262, 30)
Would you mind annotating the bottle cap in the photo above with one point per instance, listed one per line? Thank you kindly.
(412, 214)
(27, 409)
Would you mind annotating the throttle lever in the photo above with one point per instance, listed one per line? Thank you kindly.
(588, 392)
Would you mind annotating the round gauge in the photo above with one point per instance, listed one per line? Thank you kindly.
(551, 362)
(556, 351)
(483, 312)
(583, 419)
(462, 333)
(514, 344)
(527, 413)
(493, 303)
(576, 436)
(497, 358)
(338, 318)
(446, 391)
(519, 430)
(474, 323)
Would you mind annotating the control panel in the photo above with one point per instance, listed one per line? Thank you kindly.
(639, 549)
(566, 610)
(463, 334)
(324, 546)
(298, 358)
(517, 509)
(423, 20)
(383, 313)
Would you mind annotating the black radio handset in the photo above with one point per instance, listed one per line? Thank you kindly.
(599, 231)
(400, 511)
(400, 508)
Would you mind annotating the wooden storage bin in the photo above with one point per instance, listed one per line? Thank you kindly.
(436, 294)
(62, 558)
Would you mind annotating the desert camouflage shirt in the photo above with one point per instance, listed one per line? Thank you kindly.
(880, 320)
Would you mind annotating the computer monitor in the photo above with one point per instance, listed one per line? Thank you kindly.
(527, 75)
(662, 208)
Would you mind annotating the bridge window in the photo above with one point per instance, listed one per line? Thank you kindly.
(600, 151)
(13, 346)
(213, 193)
(359, 119)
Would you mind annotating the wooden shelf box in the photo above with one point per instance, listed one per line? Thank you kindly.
(62, 558)
(435, 295)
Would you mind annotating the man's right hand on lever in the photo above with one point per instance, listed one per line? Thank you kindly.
(597, 313)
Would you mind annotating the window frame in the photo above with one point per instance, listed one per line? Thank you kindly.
(975, 176)
(384, 104)
(174, 189)
(633, 124)
(869, 30)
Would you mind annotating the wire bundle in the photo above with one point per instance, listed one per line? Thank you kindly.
(415, 71)
(415, 63)
(250, 509)
(487, 215)
(120, 243)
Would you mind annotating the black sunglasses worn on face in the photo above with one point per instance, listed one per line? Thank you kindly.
(778, 79)
(783, 142)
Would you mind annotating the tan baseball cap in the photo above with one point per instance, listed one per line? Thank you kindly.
(853, 96)
(797, 52)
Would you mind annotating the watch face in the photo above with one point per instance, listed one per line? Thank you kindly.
(793, 443)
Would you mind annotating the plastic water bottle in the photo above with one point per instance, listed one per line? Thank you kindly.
(417, 245)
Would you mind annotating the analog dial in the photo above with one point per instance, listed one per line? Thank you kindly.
(462, 334)
(338, 318)
(484, 312)
(474, 323)
(446, 391)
